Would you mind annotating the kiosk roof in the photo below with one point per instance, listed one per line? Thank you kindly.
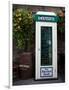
(46, 13)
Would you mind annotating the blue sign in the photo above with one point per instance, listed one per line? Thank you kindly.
(46, 72)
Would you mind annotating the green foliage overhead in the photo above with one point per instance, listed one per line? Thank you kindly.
(61, 24)
(22, 28)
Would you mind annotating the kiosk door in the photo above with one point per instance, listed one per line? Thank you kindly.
(46, 50)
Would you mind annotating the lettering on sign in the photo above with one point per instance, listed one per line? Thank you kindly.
(46, 71)
(46, 18)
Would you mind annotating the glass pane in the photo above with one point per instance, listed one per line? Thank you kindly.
(46, 45)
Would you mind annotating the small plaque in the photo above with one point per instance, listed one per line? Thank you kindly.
(46, 72)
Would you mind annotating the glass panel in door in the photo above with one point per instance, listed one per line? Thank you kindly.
(46, 45)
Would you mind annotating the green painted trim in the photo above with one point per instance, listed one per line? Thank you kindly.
(46, 18)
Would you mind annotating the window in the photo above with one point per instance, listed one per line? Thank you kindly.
(46, 45)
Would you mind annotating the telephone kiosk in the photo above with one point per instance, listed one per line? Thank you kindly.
(46, 45)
